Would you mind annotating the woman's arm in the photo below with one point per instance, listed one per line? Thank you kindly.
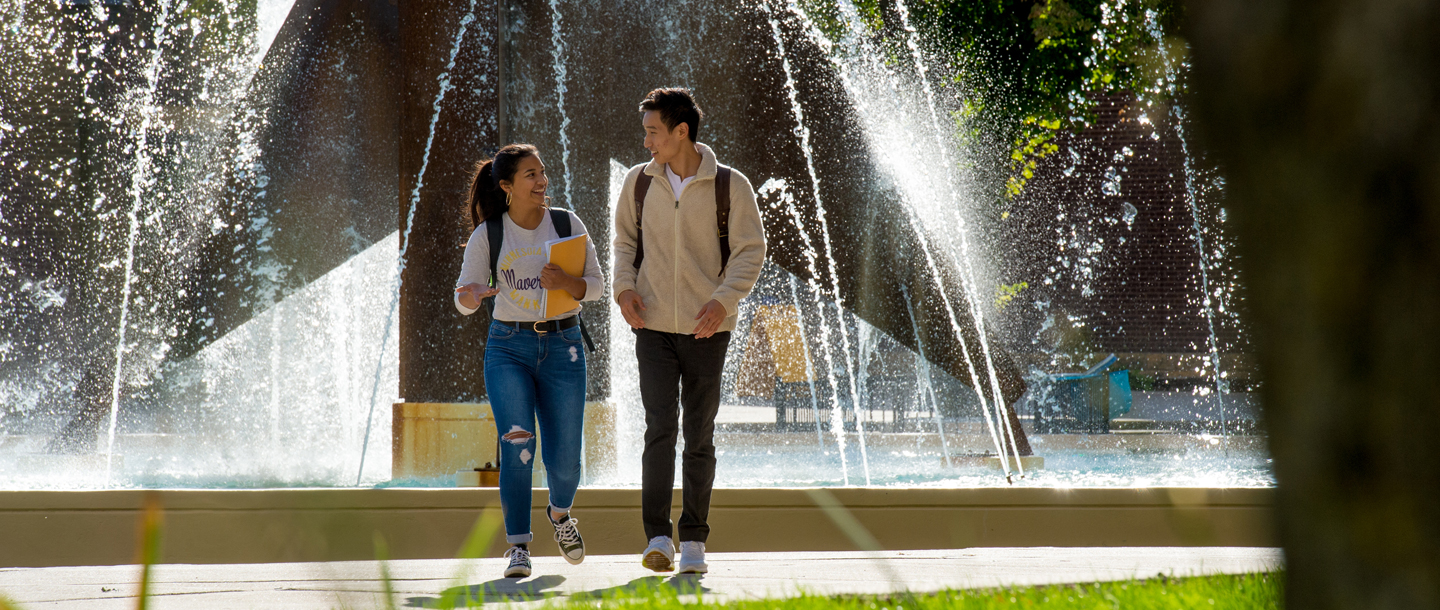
(594, 277)
(589, 286)
(472, 286)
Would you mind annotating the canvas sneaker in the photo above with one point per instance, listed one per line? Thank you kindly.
(519, 562)
(660, 555)
(692, 558)
(572, 546)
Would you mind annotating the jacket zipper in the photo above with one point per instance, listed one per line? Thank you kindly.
(675, 267)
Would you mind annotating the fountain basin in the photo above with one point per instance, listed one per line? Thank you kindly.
(49, 528)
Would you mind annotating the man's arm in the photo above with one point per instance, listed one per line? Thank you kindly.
(747, 246)
(626, 236)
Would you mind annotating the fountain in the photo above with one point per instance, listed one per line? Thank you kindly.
(223, 281)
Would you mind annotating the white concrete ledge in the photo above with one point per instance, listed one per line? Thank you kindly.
(47, 528)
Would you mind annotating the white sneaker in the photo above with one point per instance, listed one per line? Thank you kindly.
(660, 555)
(692, 558)
(519, 562)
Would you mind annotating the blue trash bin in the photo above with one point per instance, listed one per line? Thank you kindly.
(1071, 403)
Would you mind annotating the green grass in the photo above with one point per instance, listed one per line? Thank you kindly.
(1226, 592)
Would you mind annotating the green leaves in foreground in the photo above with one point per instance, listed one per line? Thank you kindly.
(1224, 592)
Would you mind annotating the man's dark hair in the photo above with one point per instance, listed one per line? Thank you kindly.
(675, 106)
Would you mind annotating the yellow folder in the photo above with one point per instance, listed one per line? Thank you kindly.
(569, 254)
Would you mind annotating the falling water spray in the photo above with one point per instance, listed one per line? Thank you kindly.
(557, 56)
(965, 258)
(445, 86)
(922, 371)
(1198, 234)
(139, 179)
(809, 367)
(857, 94)
(803, 133)
(837, 422)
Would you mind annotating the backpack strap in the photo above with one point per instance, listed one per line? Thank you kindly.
(495, 233)
(722, 214)
(561, 220)
(642, 186)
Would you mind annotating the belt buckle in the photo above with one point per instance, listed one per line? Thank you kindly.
(535, 326)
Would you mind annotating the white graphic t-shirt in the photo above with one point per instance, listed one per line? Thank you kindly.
(518, 271)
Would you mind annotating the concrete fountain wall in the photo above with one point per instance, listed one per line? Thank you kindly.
(285, 525)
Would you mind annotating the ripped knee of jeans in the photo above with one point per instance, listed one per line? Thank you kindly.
(520, 437)
(517, 436)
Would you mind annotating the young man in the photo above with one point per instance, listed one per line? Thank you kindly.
(681, 267)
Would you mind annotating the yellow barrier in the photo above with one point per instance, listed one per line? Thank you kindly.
(439, 439)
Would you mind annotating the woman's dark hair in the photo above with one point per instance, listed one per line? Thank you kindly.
(675, 106)
(486, 199)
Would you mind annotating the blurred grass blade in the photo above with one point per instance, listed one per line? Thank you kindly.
(151, 522)
(382, 555)
(482, 535)
(858, 534)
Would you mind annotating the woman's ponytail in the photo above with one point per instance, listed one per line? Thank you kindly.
(479, 197)
(486, 199)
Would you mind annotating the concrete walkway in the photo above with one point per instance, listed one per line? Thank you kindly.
(419, 583)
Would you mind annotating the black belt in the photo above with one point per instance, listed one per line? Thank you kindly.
(543, 327)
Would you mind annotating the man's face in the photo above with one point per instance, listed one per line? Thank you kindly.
(663, 143)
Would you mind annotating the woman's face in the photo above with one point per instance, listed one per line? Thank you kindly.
(528, 186)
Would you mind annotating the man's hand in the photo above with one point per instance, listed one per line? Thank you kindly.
(472, 294)
(710, 317)
(630, 306)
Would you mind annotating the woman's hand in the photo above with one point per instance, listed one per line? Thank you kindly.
(552, 277)
(472, 294)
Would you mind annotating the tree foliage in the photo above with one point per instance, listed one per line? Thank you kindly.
(1027, 69)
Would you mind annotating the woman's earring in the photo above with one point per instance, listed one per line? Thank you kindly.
(507, 199)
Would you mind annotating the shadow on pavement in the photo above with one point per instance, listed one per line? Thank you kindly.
(679, 584)
(499, 590)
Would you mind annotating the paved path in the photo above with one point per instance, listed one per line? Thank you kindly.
(418, 583)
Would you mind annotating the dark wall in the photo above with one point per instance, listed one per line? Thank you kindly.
(1141, 290)
(440, 349)
(327, 97)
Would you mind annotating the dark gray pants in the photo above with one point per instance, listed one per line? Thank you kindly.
(676, 369)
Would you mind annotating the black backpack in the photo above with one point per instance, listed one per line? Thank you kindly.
(495, 231)
(722, 214)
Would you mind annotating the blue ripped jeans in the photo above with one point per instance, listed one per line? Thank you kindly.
(532, 376)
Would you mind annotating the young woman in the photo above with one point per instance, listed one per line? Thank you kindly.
(534, 365)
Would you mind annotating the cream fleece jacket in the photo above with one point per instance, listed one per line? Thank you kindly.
(681, 269)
